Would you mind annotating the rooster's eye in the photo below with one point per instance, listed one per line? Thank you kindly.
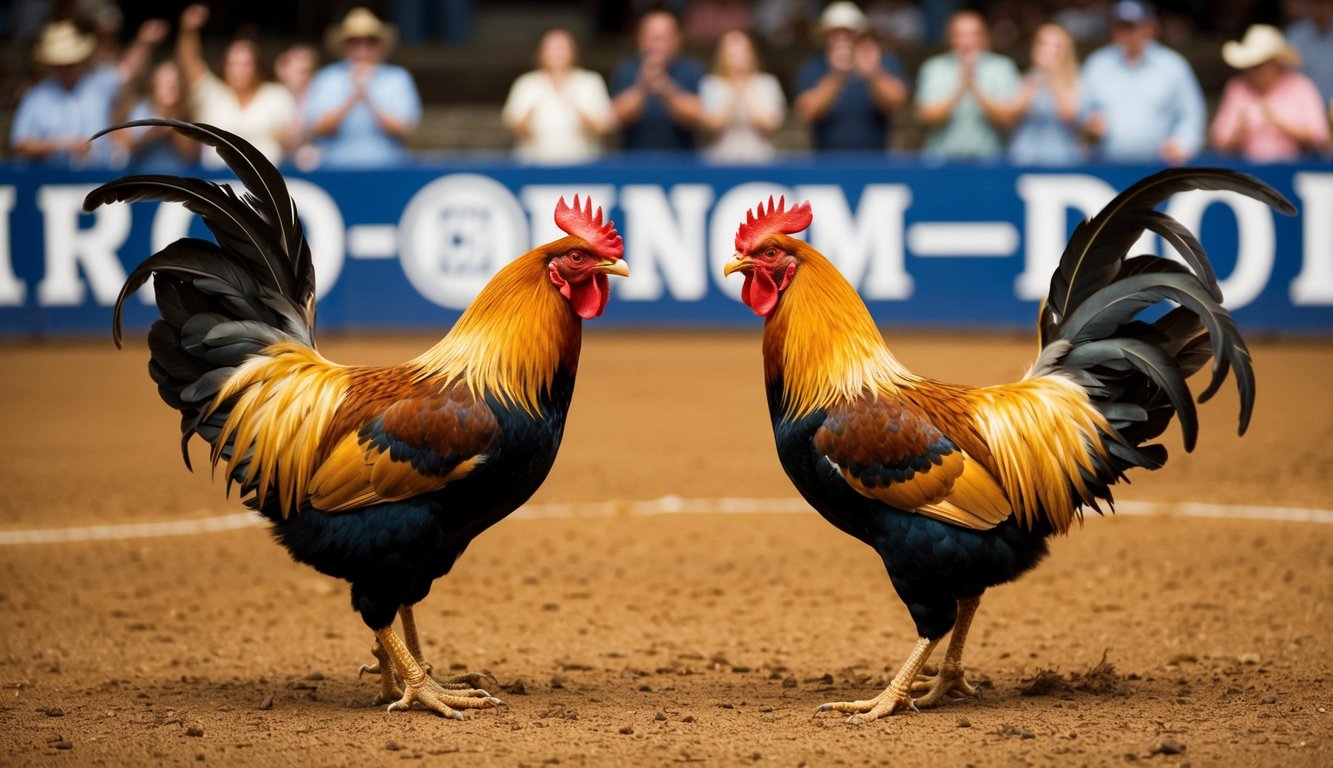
(576, 257)
(770, 253)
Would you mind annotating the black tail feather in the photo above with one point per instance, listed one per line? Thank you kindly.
(222, 302)
(1138, 369)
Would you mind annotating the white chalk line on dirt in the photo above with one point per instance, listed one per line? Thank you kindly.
(667, 505)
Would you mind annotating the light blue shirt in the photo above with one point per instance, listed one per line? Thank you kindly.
(1156, 98)
(48, 111)
(1042, 138)
(1316, 49)
(358, 141)
(967, 133)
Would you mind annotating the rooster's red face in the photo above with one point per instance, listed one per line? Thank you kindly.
(768, 271)
(581, 278)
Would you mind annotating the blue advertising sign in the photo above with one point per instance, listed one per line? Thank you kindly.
(945, 246)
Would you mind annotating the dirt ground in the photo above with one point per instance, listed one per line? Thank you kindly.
(647, 640)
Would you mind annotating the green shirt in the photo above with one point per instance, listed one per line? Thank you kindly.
(967, 133)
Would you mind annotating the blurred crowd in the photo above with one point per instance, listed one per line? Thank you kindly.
(1133, 98)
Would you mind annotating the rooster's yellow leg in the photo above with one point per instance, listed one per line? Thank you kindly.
(410, 636)
(895, 697)
(389, 690)
(948, 680)
(420, 687)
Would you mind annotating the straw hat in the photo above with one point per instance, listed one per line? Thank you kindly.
(62, 44)
(1261, 43)
(842, 15)
(360, 22)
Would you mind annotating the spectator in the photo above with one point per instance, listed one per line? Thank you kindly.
(1269, 112)
(295, 68)
(1046, 110)
(157, 149)
(56, 117)
(742, 107)
(965, 94)
(242, 101)
(656, 93)
(559, 112)
(848, 93)
(1312, 37)
(1140, 100)
(361, 110)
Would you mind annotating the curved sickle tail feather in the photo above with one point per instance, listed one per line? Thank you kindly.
(1135, 370)
(221, 303)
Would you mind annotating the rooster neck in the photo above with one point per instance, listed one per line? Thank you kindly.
(822, 343)
(513, 339)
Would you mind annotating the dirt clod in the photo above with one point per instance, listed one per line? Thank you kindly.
(1168, 746)
(267, 703)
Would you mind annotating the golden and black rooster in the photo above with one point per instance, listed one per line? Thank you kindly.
(380, 476)
(956, 487)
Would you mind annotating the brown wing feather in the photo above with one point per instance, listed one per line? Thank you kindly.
(416, 445)
(888, 448)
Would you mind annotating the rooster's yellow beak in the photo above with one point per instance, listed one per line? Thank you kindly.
(613, 267)
(737, 263)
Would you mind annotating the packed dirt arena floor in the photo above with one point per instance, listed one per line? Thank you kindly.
(621, 634)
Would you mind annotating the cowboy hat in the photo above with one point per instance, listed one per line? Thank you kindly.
(63, 44)
(843, 15)
(360, 22)
(1261, 43)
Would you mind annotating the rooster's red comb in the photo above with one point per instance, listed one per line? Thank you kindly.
(581, 222)
(761, 223)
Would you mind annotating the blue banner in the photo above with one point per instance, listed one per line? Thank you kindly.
(942, 246)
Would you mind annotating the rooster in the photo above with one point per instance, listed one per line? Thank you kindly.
(958, 488)
(379, 476)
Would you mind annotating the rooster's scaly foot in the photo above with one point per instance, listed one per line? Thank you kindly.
(939, 685)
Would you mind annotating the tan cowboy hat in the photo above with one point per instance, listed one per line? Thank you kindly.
(843, 15)
(62, 44)
(1261, 43)
(360, 22)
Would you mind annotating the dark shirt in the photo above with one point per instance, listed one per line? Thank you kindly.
(654, 129)
(853, 121)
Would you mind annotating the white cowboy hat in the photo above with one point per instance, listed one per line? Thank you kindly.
(360, 22)
(1261, 43)
(62, 44)
(843, 15)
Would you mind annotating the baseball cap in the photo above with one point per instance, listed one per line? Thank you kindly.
(1131, 12)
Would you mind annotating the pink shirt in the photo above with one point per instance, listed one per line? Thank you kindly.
(1293, 98)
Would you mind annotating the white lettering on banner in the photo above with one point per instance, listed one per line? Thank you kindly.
(665, 239)
(324, 230)
(727, 215)
(867, 246)
(541, 199)
(69, 247)
(1314, 285)
(456, 232)
(12, 289)
(1255, 240)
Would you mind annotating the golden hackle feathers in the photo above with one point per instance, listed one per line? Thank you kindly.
(512, 339)
(818, 308)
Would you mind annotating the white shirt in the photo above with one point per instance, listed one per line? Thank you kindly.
(556, 134)
(261, 122)
(739, 141)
